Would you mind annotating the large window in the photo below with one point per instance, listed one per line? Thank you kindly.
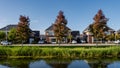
(53, 40)
(51, 33)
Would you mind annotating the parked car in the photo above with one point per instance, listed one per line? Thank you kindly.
(74, 42)
(53, 42)
(117, 42)
(41, 42)
(5, 43)
(82, 41)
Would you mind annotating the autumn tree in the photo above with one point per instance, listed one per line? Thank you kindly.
(60, 29)
(99, 26)
(23, 31)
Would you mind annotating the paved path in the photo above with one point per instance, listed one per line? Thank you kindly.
(64, 45)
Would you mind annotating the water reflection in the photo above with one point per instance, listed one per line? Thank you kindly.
(58, 63)
(79, 64)
(114, 65)
(39, 64)
(2, 66)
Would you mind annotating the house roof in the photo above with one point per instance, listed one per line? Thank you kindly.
(87, 29)
(118, 31)
(51, 28)
(8, 27)
(110, 29)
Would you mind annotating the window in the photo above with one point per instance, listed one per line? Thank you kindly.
(51, 33)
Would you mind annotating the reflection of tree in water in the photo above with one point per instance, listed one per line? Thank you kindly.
(72, 64)
(57, 63)
(15, 63)
(99, 63)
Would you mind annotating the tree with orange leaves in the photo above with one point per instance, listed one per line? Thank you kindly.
(23, 31)
(60, 30)
(99, 27)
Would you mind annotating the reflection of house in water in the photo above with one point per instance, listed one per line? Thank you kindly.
(59, 63)
(73, 64)
(80, 64)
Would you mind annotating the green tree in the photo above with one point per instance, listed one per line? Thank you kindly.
(2, 35)
(60, 30)
(99, 27)
(69, 37)
(23, 31)
(12, 35)
(117, 36)
(111, 37)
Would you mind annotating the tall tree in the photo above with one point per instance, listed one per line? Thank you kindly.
(60, 30)
(23, 31)
(99, 27)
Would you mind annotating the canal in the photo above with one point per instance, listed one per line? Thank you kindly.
(59, 63)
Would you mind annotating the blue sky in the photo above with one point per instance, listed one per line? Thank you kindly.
(42, 13)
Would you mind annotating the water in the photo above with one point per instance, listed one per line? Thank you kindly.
(60, 63)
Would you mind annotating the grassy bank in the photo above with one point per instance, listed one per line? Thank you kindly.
(58, 52)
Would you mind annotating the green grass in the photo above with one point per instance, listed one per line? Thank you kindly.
(58, 52)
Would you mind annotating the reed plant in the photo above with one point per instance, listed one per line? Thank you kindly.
(59, 52)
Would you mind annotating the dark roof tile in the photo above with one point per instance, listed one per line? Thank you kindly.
(8, 27)
(51, 28)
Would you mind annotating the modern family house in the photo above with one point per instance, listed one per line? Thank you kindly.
(90, 38)
(76, 36)
(50, 38)
(34, 35)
